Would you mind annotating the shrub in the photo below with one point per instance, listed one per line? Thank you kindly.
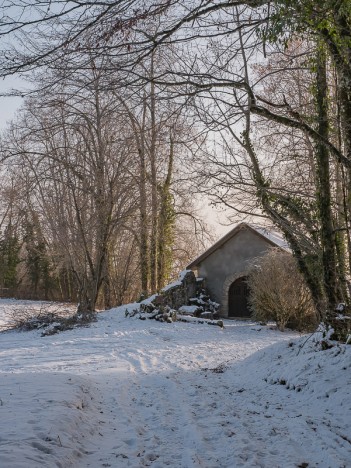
(278, 292)
(47, 317)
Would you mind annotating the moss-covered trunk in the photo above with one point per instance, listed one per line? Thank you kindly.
(323, 195)
(166, 224)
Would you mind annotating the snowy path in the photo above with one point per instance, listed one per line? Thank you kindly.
(131, 393)
(158, 411)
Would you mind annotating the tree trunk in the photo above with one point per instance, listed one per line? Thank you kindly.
(324, 202)
(154, 199)
(144, 235)
(166, 224)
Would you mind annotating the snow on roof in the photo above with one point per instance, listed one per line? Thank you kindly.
(274, 236)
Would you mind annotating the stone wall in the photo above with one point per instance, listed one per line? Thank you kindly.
(179, 293)
(178, 300)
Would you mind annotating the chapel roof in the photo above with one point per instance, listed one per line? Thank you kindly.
(275, 239)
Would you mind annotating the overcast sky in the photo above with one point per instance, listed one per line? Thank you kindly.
(9, 105)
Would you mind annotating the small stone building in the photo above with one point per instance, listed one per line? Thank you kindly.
(224, 266)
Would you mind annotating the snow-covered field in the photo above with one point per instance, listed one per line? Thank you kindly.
(131, 393)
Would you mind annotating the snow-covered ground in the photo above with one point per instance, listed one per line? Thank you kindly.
(131, 393)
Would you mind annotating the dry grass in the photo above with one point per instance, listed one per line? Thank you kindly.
(278, 292)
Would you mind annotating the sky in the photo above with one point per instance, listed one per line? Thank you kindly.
(9, 104)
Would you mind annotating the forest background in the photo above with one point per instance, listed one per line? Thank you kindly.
(137, 106)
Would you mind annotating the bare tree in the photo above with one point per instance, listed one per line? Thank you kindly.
(82, 176)
(219, 44)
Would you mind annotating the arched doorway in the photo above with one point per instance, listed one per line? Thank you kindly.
(237, 299)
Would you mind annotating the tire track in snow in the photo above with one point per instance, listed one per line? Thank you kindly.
(153, 418)
(159, 409)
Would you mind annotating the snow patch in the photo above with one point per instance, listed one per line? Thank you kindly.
(190, 310)
(43, 417)
(181, 277)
